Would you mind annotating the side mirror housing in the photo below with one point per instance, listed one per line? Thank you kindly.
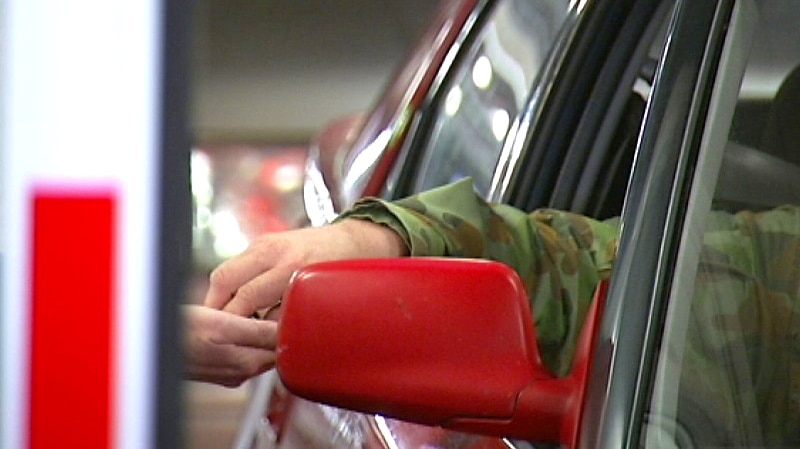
(442, 342)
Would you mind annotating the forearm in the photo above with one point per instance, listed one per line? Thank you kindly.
(372, 239)
(448, 221)
(559, 256)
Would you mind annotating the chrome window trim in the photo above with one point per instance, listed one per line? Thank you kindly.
(575, 189)
(333, 197)
(402, 176)
(550, 132)
(317, 199)
(404, 125)
(399, 173)
(515, 143)
(713, 148)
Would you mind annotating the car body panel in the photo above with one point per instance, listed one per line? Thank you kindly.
(341, 174)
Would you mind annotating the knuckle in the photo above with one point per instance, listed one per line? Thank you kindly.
(266, 244)
(247, 294)
(220, 276)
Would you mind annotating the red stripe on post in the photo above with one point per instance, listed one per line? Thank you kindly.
(72, 333)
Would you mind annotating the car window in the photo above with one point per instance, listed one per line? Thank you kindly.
(728, 370)
(485, 91)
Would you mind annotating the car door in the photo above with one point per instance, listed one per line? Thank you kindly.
(573, 61)
(519, 36)
(533, 159)
(698, 347)
(698, 342)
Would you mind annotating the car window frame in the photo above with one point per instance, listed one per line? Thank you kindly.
(401, 177)
(583, 176)
(652, 221)
(733, 62)
(549, 137)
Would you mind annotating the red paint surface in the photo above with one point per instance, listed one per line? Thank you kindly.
(72, 310)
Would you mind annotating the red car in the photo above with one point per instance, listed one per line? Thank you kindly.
(656, 110)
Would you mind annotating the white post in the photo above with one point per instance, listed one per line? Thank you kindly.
(79, 145)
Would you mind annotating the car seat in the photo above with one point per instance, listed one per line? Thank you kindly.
(781, 136)
(772, 170)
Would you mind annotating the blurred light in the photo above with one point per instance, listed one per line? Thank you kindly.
(500, 121)
(453, 101)
(228, 237)
(202, 189)
(203, 218)
(482, 73)
(288, 178)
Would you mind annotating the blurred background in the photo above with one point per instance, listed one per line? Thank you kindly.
(266, 77)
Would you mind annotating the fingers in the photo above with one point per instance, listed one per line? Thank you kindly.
(226, 349)
(233, 367)
(218, 328)
(258, 334)
(256, 278)
(226, 280)
(260, 293)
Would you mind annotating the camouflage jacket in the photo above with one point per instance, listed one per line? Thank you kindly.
(740, 358)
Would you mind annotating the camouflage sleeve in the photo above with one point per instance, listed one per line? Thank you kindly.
(741, 361)
(559, 256)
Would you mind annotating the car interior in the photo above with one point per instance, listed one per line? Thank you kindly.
(762, 147)
(763, 150)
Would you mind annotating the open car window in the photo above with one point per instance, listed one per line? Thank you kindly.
(728, 370)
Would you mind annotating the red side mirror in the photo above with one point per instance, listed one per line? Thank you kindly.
(435, 341)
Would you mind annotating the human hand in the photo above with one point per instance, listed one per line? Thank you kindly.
(255, 279)
(224, 348)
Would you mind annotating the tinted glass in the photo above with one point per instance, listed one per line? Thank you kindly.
(486, 90)
(729, 365)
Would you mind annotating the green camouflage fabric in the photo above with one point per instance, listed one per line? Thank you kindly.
(738, 360)
(560, 257)
(740, 365)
